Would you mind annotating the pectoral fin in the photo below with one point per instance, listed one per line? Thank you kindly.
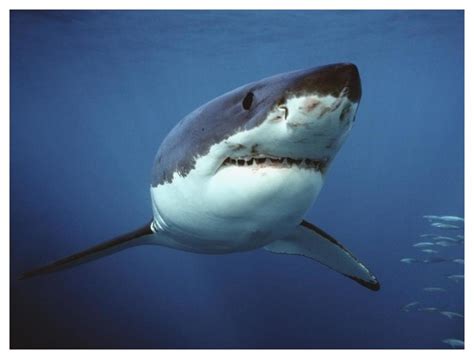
(140, 236)
(312, 242)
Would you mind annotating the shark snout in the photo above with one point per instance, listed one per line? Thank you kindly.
(336, 80)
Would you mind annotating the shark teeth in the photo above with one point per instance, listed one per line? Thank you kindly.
(264, 161)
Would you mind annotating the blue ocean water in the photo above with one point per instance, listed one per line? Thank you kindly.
(93, 94)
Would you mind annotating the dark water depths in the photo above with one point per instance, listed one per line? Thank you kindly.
(93, 94)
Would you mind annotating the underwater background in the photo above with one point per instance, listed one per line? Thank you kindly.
(94, 93)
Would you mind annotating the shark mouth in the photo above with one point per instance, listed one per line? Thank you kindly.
(279, 162)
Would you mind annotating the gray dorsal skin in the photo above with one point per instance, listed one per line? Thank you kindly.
(240, 172)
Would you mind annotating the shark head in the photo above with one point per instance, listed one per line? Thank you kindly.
(305, 115)
(297, 120)
(259, 153)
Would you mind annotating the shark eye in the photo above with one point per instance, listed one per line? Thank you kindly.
(247, 101)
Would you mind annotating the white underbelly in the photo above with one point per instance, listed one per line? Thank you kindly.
(237, 208)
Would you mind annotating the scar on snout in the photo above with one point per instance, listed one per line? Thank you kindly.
(344, 113)
(336, 104)
(237, 146)
(253, 149)
(331, 143)
(294, 124)
(276, 118)
(298, 125)
(310, 104)
(324, 111)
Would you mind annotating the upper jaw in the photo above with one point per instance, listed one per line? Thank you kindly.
(264, 160)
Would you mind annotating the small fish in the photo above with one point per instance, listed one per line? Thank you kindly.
(444, 238)
(444, 218)
(428, 309)
(458, 261)
(461, 236)
(451, 218)
(454, 343)
(435, 260)
(423, 244)
(430, 251)
(456, 277)
(426, 235)
(434, 289)
(409, 306)
(445, 243)
(451, 315)
(445, 225)
(409, 260)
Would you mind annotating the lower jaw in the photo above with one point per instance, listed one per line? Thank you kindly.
(257, 168)
(248, 188)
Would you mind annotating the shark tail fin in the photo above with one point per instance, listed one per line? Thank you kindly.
(142, 235)
(312, 242)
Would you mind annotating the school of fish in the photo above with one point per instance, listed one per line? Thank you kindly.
(438, 247)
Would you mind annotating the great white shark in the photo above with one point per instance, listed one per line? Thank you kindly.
(240, 172)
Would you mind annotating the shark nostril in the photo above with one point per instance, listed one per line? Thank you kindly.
(285, 109)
